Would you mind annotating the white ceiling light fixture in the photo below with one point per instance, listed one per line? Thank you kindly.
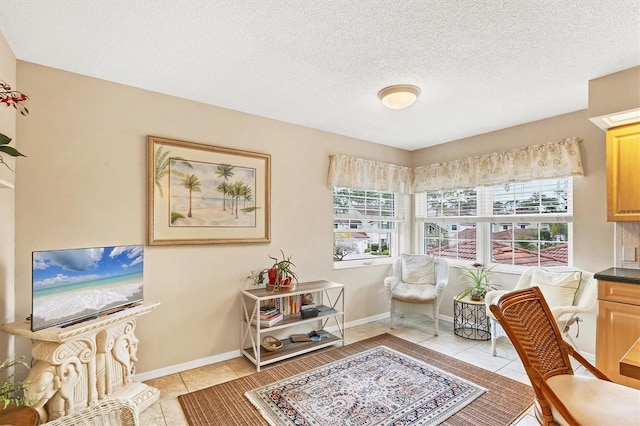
(399, 96)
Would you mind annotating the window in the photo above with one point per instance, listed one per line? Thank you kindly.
(365, 224)
(525, 223)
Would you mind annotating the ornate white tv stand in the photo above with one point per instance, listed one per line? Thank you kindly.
(79, 365)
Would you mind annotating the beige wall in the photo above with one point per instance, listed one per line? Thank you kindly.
(7, 203)
(614, 93)
(84, 184)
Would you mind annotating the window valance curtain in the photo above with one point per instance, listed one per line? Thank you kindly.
(545, 161)
(367, 174)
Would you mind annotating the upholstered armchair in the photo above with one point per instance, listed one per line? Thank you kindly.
(568, 291)
(417, 286)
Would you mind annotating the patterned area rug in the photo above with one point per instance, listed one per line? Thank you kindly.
(376, 387)
(505, 401)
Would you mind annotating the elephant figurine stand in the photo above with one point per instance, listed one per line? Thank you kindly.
(78, 366)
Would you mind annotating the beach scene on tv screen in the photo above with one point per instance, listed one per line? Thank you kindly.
(76, 283)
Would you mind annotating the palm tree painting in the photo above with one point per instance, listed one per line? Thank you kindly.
(211, 194)
(203, 194)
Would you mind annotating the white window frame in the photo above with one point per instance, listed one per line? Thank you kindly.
(395, 235)
(485, 217)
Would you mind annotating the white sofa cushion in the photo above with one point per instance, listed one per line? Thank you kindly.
(414, 293)
(418, 269)
(558, 288)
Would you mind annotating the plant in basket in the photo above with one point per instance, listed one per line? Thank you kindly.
(280, 275)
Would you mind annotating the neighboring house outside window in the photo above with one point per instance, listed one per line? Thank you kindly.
(523, 223)
(365, 225)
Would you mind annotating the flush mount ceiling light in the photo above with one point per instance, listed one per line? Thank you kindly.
(399, 96)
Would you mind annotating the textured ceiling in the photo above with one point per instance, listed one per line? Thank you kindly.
(482, 65)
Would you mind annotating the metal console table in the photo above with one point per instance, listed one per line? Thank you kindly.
(330, 297)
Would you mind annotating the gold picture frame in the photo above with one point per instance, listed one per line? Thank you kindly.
(204, 194)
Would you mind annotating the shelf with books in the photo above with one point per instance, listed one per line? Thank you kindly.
(295, 319)
(328, 299)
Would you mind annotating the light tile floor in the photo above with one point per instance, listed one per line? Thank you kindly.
(415, 328)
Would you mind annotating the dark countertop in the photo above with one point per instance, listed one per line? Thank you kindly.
(623, 275)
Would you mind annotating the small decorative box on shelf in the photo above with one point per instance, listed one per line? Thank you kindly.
(309, 313)
(328, 309)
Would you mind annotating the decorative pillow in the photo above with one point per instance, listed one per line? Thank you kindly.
(558, 288)
(418, 269)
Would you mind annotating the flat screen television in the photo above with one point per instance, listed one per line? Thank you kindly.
(74, 285)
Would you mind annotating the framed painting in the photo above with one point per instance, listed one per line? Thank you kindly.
(203, 194)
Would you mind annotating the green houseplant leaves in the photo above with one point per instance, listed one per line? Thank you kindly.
(12, 392)
(4, 141)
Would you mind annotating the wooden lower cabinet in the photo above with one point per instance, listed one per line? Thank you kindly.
(618, 327)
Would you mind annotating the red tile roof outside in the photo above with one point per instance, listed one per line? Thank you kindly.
(559, 252)
(506, 254)
(504, 235)
(362, 235)
(502, 252)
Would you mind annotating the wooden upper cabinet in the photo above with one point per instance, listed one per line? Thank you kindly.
(623, 173)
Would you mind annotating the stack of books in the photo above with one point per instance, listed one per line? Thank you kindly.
(269, 316)
(289, 305)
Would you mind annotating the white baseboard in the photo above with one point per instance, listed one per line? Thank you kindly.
(178, 368)
(446, 318)
(361, 321)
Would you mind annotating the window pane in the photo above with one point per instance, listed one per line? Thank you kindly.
(364, 224)
(360, 245)
(530, 244)
(530, 239)
(452, 241)
(537, 197)
(448, 203)
(360, 203)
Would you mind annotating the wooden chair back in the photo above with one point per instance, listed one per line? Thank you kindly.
(527, 320)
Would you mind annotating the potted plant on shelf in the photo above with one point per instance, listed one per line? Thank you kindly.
(479, 277)
(280, 275)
